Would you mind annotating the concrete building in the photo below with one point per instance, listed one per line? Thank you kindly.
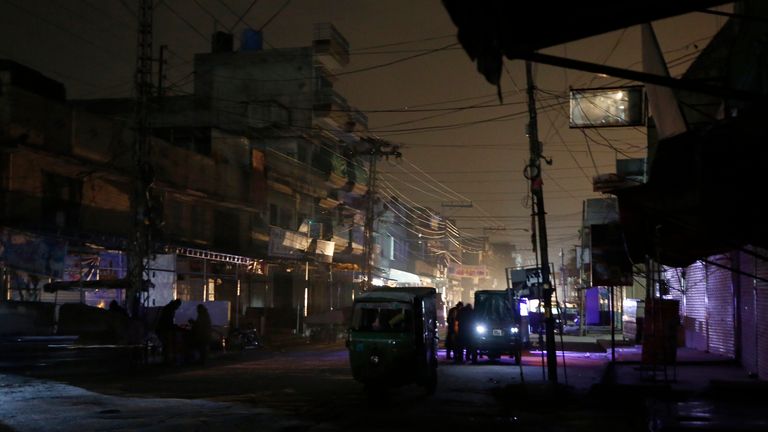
(259, 195)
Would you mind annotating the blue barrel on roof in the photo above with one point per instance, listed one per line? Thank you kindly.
(252, 40)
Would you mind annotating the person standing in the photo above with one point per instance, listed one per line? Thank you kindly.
(166, 331)
(200, 333)
(450, 335)
(463, 334)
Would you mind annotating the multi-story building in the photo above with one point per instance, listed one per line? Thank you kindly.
(259, 192)
(67, 179)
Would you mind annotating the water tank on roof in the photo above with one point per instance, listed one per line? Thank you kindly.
(221, 42)
(252, 40)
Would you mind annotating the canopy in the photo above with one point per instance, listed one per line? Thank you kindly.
(491, 29)
(89, 284)
(702, 196)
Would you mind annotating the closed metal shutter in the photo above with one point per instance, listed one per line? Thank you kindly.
(748, 318)
(674, 278)
(761, 310)
(695, 309)
(720, 307)
(61, 297)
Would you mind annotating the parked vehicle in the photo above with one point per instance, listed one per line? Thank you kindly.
(497, 324)
(240, 339)
(392, 340)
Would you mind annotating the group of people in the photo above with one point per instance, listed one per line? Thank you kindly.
(192, 340)
(458, 341)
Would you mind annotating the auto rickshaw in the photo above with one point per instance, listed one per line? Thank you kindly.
(393, 338)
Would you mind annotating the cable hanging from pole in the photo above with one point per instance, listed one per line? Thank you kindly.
(141, 203)
(533, 174)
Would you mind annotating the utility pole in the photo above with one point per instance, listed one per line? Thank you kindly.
(377, 148)
(533, 172)
(140, 241)
(161, 72)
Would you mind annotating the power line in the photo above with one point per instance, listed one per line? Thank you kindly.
(242, 15)
(185, 21)
(106, 14)
(279, 11)
(211, 14)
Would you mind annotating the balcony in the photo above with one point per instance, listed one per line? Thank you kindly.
(331, 48)
(330, 109)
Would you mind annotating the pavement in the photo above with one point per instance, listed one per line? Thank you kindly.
(701, 391)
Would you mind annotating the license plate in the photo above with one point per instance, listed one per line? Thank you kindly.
(497, 332)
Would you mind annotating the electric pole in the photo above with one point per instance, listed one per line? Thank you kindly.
(377, 149)
(140, 241)
(161, 73)
(534, 176)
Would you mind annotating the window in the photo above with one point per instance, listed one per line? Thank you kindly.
(194, 139)
(61, 199)
(286, 219)
(394, 317)
(273, 214)
(211, 290)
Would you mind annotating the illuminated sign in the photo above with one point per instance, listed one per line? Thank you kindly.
(527, 282)
(610, 262)
(607, 107)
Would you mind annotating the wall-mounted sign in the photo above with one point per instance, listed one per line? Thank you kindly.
(607, 107)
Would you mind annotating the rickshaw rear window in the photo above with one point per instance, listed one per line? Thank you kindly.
(383, 317)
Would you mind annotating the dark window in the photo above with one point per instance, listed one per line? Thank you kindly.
(273, 214)
(301, 152)
(226, 229)
(174, 222)
(198, 222)
(283, 291)
(61, 199)
(195, 139)
(383, 317)
(286, 218)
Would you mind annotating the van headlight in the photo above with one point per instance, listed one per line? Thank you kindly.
(480, 329)
(514, 330)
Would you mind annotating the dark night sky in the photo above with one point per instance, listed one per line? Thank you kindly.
(455, 146)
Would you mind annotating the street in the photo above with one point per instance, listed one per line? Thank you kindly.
(298, 388)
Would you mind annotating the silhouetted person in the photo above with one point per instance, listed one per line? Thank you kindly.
(200, 333)
(114, 306)
(452, 324)
(118, 323)
(166, 330)
(464, 335)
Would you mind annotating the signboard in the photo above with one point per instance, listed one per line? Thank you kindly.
(607, 107)
(31, 253)
(458, 271)
(287, 244)
(610, 263)
(324, 250)
(526, 282)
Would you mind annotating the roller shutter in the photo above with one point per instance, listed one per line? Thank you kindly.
(720, 300)
(748, 321)
(695, 306)
(761, 311)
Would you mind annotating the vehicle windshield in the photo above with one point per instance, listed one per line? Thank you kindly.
(383, 317)
(493, 307)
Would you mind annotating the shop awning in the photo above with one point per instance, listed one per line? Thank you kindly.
(703, 194)
(492, 29)
(89, 284)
